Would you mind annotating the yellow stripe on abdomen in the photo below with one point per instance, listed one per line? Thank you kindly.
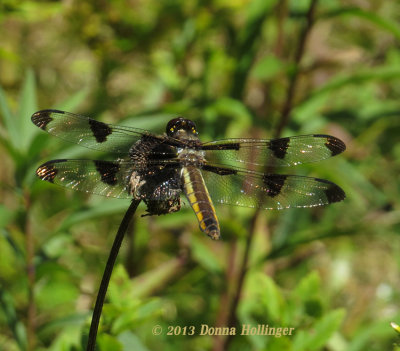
(200, 201)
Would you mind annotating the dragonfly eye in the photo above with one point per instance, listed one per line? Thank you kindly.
(180, 124)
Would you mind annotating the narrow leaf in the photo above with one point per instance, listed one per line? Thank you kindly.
(27, 106)
(8, 120)
(383, 23)
(73, 102)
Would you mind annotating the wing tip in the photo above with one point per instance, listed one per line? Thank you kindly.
(43, 117)
(334, 144)
(48, 171)
(335, 194)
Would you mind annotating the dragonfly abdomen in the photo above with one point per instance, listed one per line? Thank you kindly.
(200, 201)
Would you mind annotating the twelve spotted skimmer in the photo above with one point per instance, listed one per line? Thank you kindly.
(159, 168)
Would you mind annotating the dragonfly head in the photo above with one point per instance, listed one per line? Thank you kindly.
(181, 128)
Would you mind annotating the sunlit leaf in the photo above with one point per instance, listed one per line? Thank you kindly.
(27, 105)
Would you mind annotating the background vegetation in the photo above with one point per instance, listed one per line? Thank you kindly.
(254, 68)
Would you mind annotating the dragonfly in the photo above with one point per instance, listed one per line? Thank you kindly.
(160, 169)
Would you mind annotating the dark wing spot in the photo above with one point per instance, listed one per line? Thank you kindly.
(108, 171)
(42, 118)
(334, 193)
(48, 171)
(227, 146)
(274, 183)
(100, 130)
(335, 145)
(219, 170)
(279, 147)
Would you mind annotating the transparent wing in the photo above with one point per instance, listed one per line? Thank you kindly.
(270, 191)
(257, 153)
(113, 178)
(97, 177)
(89, 132)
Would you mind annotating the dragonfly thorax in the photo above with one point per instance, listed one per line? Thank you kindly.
(192, 157)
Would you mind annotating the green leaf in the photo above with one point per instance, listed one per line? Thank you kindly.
(271, 296)
(205, 256)
(131, 342)
(383, 73)
(147, 283)
(70, 324)
(55, 246)
(12, 256)
(375, 330)
(232, 107)
(56, 294)
(323, 331)
(309, 286)
(267, 68)
(383, 23)
(27, 106)
(284, 231)
(17, 327)
(8, 119)
(72, 103)
(101, 209)
(108, 343)
(6, 216)
(256, 8)
(325, 328)
(129, 317)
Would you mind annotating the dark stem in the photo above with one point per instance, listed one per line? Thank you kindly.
(107, 274)
(232, 318)
(30, 267)
(281, 13)
(287, 107)
(288, 104)
(226, 297)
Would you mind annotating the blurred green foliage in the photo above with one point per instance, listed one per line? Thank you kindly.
(331, 273)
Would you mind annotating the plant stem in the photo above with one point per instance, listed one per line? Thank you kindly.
(285, 115)
(232, 318)
(226, 296)
(30, 267)
(288, 104)
(107, 274)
